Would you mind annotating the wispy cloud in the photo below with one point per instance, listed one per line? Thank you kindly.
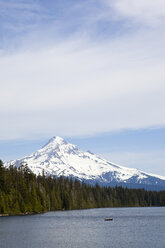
(15, 11)
(80, 79)
(17, 19)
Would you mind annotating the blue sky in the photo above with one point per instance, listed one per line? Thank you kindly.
(90, 71)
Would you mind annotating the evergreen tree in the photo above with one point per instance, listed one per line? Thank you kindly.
(22, 192)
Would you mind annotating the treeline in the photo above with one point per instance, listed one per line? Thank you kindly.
(23, 192)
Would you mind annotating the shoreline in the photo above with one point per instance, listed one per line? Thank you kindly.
(26, 214)
(4, 215)
(20, 214)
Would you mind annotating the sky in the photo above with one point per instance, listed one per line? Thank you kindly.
(89, 71)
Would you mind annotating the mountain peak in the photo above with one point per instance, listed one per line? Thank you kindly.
(56, 140)
(60, 158)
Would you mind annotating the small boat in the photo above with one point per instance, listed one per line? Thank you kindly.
(108, 219)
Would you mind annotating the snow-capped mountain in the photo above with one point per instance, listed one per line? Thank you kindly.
(60, 158)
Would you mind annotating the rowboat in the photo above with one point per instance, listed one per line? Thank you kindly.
(108, 219)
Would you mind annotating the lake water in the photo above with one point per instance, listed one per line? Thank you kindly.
(131, 227)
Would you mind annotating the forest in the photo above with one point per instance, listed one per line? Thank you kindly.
(22, 192)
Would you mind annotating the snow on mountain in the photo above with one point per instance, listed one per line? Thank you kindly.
(60, 158)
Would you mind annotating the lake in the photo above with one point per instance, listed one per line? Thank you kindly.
(131, 227)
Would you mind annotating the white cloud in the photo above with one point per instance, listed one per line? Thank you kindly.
(80, 88)
(148, 12)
